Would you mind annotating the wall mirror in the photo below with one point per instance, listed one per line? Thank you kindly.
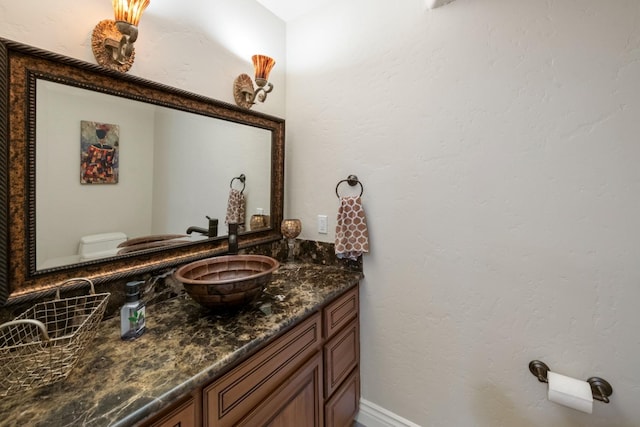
(88, 153)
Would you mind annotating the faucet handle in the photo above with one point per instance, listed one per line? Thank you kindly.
(213, 226)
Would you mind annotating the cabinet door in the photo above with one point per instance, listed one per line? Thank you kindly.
(342, 408)
(341, 356)
(296, 403)
(231, 397)
(182, 416)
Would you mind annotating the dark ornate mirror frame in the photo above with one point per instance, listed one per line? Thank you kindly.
(20, 67)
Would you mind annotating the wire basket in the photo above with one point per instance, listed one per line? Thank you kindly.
(44, 343)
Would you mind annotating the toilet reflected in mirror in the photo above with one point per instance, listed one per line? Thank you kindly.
(90, 247)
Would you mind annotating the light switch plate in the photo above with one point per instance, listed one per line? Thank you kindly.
(323, 225)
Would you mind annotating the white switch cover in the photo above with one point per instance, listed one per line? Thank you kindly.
(322, 224)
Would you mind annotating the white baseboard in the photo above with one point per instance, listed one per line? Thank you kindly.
(372, 415)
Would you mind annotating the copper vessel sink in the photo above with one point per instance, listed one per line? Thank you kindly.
(228, 281)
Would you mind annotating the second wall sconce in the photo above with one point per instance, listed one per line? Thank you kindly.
(244, 92)
(112, 41)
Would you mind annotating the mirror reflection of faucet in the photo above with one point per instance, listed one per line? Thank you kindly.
(212, 231)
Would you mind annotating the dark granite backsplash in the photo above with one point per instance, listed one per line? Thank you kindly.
(307, 251)
(160, 285)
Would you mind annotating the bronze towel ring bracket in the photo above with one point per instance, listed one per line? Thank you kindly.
(242, 179)
(352, 180)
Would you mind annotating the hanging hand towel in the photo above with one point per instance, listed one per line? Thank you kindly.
(236, 209)
(352, 236)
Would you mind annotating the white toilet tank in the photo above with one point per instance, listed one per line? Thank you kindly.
(100, 245)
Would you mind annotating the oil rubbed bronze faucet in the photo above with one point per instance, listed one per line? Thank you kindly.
(233, 238)
(212, 231)
(200, 230)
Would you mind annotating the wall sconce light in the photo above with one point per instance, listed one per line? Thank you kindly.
(112, 41)
(244, 92)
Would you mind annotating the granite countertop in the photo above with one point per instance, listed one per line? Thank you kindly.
(119, 383)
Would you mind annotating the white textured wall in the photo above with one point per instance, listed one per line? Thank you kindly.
(218, 151)
(498, 145)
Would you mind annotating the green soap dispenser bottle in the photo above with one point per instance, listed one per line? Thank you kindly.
(132, 314)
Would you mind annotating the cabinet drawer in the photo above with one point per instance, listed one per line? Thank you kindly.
(341, 409)
(239, 391)
(340, 312)
(341, 355)
(183, 416)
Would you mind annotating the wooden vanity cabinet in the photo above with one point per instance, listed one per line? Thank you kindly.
(308, 377)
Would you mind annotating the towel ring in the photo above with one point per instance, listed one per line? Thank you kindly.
(352, 180)
(242, 179)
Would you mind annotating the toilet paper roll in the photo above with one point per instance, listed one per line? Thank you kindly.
(570, 392)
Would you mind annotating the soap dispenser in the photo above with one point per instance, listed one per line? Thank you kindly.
(132, 314)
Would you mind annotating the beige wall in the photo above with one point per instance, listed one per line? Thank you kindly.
(218, 151)
(498, 145)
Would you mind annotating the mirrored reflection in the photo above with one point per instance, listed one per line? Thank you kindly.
(112, 173)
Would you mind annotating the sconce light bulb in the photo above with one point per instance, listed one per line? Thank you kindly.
(129, 10)
(262, 65)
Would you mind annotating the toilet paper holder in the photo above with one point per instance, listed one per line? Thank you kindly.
(600, 388)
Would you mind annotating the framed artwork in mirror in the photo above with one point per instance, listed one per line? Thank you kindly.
(99, 144)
